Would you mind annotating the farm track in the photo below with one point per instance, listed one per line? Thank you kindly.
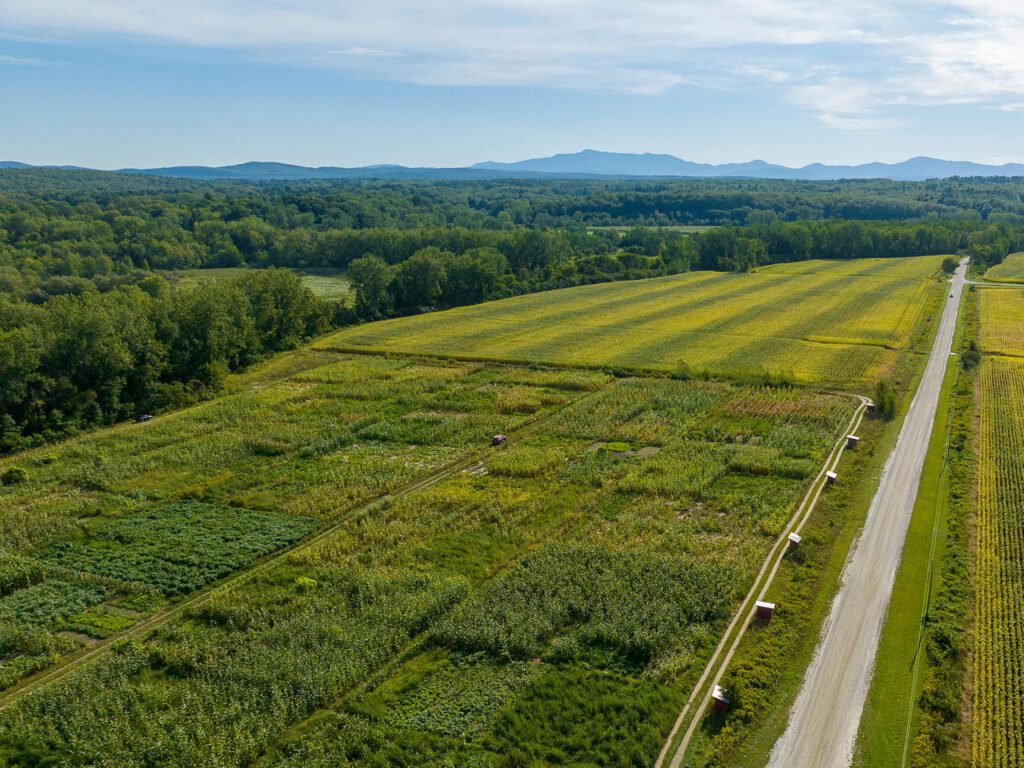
(824, 720)
(93, 653)
(717, 664)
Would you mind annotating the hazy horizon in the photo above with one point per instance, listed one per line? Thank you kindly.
(740, 161)
(138, 83)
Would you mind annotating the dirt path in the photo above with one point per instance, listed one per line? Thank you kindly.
(823, 722)
(718, 663)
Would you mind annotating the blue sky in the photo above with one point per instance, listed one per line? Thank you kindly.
(116, 83)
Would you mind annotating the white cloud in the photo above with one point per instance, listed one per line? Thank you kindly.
(26, 61)
(854, 64)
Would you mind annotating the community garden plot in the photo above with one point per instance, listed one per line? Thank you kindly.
(109, 527)
(569, 592)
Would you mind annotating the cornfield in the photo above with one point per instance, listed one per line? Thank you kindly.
(1002, 321)
(998, 728)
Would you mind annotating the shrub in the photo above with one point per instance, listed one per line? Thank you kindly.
(885, 400)
(14, 475)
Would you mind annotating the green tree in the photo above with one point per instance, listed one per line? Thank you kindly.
(420, 279)
(371, 279)
(885, 400)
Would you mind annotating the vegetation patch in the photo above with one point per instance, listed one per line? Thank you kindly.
(831, 322)
(180, 547)
(569, 598)
(998, 684)
(553, 722)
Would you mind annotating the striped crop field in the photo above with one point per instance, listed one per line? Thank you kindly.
(998, 720)
(815, 322)
(1011, 270)
(1002, 321)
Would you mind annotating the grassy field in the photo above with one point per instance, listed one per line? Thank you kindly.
(324, 282)
(566, 585)
(998, 684)
(822, 322)
(1011, 270)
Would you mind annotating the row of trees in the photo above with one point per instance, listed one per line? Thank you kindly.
(433, 277)
(81, 361)
(743, 248)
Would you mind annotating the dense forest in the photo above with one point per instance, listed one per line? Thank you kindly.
(92, 332)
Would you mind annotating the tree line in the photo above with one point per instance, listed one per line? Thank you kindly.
(75, 362)
(434, 277)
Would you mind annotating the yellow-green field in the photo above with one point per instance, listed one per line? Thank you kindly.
(815, 322)
(1002, 321)
(998, 701)
(1010, 271)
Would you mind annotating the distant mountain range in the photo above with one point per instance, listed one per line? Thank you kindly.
(587, 164)
(592, 162)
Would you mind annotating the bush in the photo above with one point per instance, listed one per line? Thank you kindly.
(885, 400)
(14, 475)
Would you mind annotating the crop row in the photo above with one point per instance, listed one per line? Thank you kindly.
(819, 325)
(998, 708)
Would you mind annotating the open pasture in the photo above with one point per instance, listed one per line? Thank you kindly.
(834, 322)
(568, 584)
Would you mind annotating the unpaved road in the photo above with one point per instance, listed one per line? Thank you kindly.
(693, 710)
(823, 722)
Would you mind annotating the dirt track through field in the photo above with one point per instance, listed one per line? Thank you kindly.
(697, 702)
(824, 720)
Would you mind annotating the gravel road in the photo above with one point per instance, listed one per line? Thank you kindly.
(824, 720)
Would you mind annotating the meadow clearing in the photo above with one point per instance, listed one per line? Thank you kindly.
(564, 580)
(1010, 270)
(821, 322)
(324, 282)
